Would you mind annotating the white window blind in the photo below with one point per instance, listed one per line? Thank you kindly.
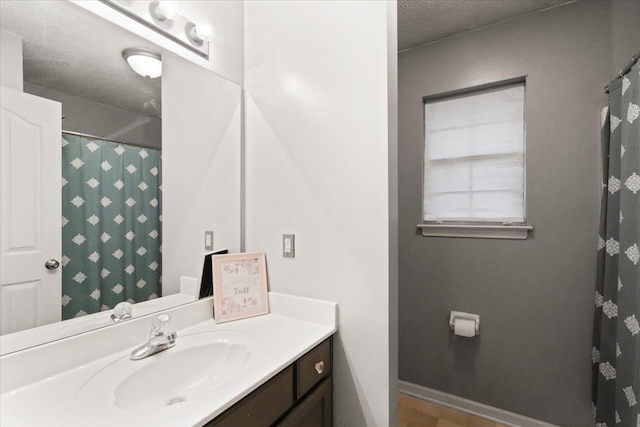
(474, 157)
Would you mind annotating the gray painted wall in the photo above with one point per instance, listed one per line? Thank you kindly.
(90, 117)
(534, 297)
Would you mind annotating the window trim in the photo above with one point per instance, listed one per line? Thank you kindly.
(480, 231)
(489, 228)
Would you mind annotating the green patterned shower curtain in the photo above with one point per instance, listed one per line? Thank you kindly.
(616, 337)
(111, 224)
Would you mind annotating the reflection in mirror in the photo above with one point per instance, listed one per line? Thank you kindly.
(206, 277)
(109, 191)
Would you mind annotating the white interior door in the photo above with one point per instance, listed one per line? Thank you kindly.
(30, 211)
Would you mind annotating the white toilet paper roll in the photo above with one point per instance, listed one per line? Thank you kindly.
(464, 327)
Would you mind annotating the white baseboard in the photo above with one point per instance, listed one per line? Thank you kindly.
(469, 406)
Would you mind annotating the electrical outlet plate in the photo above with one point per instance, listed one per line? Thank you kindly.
(288, 246)
(208, 240)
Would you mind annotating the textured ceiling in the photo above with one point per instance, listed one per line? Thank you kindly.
(424, 21)
(72, 51)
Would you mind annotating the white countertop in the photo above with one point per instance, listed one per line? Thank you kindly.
(294, 326)
(58, 330)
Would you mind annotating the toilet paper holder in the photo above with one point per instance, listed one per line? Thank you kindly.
(466, 316)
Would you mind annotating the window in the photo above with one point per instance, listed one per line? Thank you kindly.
(474, 158)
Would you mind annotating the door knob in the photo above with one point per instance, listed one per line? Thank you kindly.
(51, 264)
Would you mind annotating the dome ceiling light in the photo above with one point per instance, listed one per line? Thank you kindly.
(144, 62)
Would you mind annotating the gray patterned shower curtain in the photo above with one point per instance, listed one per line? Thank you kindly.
(616, 335)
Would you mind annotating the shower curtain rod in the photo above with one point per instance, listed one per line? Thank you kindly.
(624, 71)
(86, 135)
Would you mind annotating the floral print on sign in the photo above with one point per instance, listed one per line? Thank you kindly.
(241, 285)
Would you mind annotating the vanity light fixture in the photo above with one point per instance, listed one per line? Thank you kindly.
(166, 10)
(143, 61)
(165, 18)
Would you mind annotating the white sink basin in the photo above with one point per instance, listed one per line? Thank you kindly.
(196, 365)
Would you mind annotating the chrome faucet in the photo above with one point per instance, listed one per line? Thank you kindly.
(158, 339)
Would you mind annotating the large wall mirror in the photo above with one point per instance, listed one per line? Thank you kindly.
(140, 169)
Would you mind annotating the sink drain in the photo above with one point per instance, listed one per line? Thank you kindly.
(175, 400)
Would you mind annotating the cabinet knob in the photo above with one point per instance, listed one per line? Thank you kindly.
(319, 367)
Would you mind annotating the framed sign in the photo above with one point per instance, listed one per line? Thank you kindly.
(239, 286)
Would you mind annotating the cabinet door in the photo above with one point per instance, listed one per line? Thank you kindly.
(314, 411)
(262, 407)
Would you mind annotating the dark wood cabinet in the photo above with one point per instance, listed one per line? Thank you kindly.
(313, 367)
(316, 410)
(301, 395)
(264, 406)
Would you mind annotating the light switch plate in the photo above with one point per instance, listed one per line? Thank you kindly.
(208, 240)
(288, 246)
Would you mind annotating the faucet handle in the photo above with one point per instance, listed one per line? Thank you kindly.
(160, 324)
(122, 311)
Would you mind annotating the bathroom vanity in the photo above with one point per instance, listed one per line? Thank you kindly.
(301, 394)
(266, 370)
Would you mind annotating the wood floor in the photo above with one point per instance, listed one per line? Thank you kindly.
(414, 412)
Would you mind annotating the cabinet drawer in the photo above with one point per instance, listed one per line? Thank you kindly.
(262, 407)
(312, 367)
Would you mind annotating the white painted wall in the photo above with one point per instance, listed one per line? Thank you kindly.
(10, 60)
(93, 118)
(225, 18)
(201, 127)
(317, 153)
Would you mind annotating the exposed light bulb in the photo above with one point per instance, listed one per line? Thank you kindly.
(201, 33)
(166, 10)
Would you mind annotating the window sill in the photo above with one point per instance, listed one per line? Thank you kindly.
(518, 232)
